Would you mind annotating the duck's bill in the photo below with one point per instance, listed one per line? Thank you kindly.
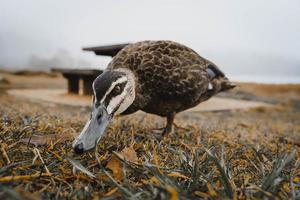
(93, 130)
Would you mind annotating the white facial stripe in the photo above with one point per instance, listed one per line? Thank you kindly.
(120, 80)
(129, 93)
(122, 101)
(93, 99)
(115, 101)
(126, 102)
(95, 96)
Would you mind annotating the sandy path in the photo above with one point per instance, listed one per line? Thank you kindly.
(60, 96)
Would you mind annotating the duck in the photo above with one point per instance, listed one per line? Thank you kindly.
(158, 77)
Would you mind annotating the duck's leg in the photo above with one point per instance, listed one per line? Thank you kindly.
(168, 128)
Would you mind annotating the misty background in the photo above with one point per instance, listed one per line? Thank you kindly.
(249, 40)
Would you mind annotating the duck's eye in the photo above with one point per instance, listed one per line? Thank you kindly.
(117, 90)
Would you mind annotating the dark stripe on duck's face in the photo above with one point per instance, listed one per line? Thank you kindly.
(103, 82)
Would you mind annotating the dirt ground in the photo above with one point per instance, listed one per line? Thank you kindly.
(61, 96)
(241, 154)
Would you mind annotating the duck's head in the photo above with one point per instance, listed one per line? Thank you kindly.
(114, 92)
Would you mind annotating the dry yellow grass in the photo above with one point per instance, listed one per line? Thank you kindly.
(250, 154)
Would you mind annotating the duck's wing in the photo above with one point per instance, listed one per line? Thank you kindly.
(213, 71)
(165, 68)
(167, 54)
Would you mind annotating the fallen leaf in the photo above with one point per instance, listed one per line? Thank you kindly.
(109, 193)
(177, 175)
(201, 194)
(154, 181)
(40, 140)
(286, 187)
(173, 192)
(116, 166)
(23, 177)
(218, 184)
(129, 154)
(211, 190)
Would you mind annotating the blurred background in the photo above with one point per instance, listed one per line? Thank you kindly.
(256, 41)
(240, 144)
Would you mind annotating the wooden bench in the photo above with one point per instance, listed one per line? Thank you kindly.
(87, 75)
(74, 75)
(108, 50)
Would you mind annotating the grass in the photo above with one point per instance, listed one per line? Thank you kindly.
(251, 154)
(205, 164)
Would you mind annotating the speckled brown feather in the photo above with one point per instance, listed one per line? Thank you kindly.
(170, 77)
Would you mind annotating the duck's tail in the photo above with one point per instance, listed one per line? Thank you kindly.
(226, 84)
(219, 81)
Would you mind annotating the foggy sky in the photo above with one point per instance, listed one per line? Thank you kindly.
(242, 37)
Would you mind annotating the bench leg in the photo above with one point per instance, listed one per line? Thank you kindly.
(73, 85)
(87, 86)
